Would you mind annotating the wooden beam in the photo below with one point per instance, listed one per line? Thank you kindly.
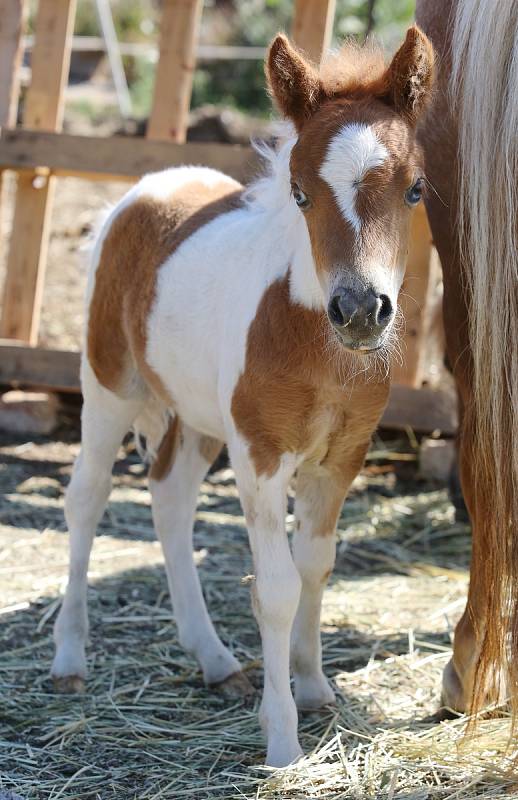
(36, 367)
(175, 70)
(313, 26)
(416, 301)
(43, 110)
(12, 21)
(424, 410)
(118, 157)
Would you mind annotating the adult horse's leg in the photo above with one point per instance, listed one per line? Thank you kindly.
(478, 640)
(442, 213)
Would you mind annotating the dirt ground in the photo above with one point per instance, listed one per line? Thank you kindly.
(148, 728)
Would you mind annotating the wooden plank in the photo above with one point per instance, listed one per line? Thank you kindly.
(12, 17)
(424, 410)
(416, 301)
(120, 157)
(12, 20)
(312, 27)
(37, 367)
(43, 110)
(174, 75)
(204, 52)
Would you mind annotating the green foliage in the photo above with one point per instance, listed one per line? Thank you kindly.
(134, 20)
(255, 22)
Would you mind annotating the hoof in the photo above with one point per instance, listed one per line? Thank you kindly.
(443, 714)
(236, 685)
(313, 693)
(283, 756)
(69, 684)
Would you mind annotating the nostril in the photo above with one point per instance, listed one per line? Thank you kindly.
(335, 312)
(385, 309)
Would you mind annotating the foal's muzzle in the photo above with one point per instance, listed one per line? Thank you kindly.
(360, 317)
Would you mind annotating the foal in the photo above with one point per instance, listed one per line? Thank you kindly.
(251, 318)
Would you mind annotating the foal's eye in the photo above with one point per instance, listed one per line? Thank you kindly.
(414, 193)
(300, 198)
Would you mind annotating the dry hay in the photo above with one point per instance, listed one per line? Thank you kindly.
(149, 729)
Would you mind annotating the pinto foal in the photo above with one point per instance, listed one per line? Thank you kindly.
(251, 318)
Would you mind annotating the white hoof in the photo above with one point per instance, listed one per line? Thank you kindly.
(282, 753)
(217, 665)
(69, 662)
(312, 692)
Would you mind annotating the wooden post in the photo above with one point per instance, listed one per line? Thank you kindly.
(173, 82)
(313, 26)
(416, 301)
(12, 17)
(43, 111)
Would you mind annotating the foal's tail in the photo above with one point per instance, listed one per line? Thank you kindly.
(484, 83)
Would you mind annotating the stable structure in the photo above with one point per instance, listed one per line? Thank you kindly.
(39, 152)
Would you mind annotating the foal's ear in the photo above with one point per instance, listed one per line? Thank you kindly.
(292, 81)
(409, 79)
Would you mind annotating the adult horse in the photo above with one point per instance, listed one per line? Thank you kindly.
(471, 148)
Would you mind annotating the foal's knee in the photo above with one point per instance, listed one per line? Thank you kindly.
(314, 558)
(275, 597)
(87, 493)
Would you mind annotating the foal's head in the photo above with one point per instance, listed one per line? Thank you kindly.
(356, 173)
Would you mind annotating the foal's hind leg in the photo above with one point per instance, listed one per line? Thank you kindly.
(174, 505)
(105, 420)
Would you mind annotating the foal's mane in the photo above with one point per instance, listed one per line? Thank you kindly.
(353, 70)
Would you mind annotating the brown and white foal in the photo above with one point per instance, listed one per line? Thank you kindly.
(251, 318)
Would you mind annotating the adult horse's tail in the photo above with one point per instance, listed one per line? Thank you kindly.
(484, 84)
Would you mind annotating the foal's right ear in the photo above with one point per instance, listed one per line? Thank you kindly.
(292, 81)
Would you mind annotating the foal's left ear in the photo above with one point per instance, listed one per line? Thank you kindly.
(410, 76)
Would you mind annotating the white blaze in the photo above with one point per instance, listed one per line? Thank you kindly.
(351, 154)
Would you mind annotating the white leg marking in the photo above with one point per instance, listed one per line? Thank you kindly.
(105, 421)
(174, 507)
(275, 595)
(314, 546)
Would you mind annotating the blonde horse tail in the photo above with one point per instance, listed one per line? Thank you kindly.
(484, 87)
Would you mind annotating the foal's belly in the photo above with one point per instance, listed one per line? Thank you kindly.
(195, 399)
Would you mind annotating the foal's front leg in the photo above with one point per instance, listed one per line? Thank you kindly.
(317, 506)
(275, 595)
(320, 495)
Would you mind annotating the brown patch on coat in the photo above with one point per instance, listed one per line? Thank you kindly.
(140, 239)
(161, 466)
(290, 396)
(323, 486)
(209, 448)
